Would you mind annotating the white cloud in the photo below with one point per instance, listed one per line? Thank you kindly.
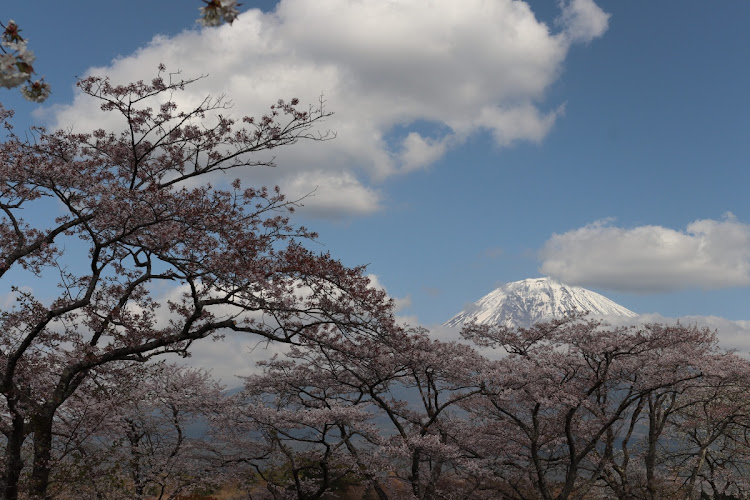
(419, 152)
(382, 66)
(583, 20)
(331, 195)
(707, 254)
(520, 122)
(232, 357)
(399, 303)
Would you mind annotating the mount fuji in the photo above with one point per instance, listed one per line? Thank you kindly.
(523, 303)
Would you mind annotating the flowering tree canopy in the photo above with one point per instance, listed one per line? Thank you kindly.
(127, 214)
(572, 409)
(130, 432)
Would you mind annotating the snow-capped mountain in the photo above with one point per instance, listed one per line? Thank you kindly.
(523, 303)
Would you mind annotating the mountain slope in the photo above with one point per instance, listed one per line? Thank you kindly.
(523, 303)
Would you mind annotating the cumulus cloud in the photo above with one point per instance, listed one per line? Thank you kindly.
(331, 195)
(382, 66)
(708, 254)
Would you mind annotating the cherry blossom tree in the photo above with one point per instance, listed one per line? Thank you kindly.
(112, 216)
(704, 423)
(574, 408)
(570, 393)
(294, 452)
(138, 430)
(304, 427)
(379, 411)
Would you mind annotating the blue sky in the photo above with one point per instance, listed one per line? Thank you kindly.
(603, 143)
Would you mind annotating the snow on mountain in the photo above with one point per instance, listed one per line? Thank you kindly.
(523, 303)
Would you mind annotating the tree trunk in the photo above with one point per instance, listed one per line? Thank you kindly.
(416, 488)
(13, 460)
(696, 470)
(42, 428)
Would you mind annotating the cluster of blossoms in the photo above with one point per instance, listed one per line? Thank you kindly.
(15, 65)
(16, 59)
(217, 12)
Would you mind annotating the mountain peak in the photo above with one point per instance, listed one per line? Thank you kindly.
(523, 303)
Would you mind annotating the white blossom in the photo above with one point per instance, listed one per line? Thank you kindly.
(217, 12)
(37, 91)
(16, 65)
(10, 75)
